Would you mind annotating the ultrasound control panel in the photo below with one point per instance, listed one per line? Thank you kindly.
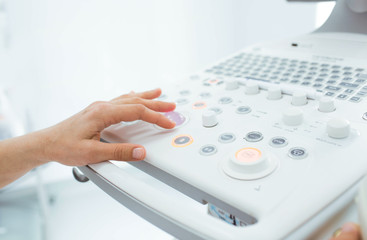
(269, 133)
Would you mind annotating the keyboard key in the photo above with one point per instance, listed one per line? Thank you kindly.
(332, 88)
(355, 99)
(342, 96)
(362, 94)
(349, 91)
(317, 85)
(347, 79)
(334, 77)
(360, 80)
(329, 94)
(348, 85)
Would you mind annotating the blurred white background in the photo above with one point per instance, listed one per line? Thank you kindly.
(56, 57)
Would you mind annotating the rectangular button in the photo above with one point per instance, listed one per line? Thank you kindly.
(332, 88)
(348, 85)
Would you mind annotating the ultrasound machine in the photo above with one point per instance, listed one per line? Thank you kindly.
(269, 143)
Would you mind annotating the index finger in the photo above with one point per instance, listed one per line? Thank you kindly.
(151, 94)
(132, 112)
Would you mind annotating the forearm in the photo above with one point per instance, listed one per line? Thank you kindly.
(20, 155)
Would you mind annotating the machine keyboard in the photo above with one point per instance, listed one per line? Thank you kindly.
(337, 81)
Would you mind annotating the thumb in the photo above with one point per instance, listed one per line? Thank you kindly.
(120, 151)
(349, 231)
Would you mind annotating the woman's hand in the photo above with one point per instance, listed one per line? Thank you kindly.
(76, 141)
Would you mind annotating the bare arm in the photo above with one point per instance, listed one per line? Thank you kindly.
(76, 141)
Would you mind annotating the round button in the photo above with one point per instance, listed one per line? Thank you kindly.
(364, 116)
(217, 110)
(182, 101)
(248, 155)
(251, 88)
(205, 95)
(225, 100)
(249, 163)
(209, 118)
(293, 116)
(254, 136)
(243, 110)
(182, 141)
(231, 84)
(226, 138)
(338, 128)
(185, 92)
(278, 142)
(176, 117)
(326, 104)
(297, 153)
(299, 98)
(162, 97)
(274, 93)
(213, 81)
(199, 105)
(208, 150)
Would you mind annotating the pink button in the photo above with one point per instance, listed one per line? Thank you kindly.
(248, 155)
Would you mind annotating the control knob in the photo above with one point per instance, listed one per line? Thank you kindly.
(326, 104)
(231, 84)
(293, 116)
(209, 118)
(274, 93)
(251, 88)
(338, 128)
(299, 98)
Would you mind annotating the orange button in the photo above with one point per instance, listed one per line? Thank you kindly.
(248, 155)
(212, 81)
(182, 141)
(199, 105)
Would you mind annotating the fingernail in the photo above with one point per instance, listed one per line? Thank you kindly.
(337, 233)
(138, 153)
(348, 227)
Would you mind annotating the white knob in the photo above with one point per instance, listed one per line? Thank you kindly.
(274, 93)
(251, 88)
(338, 128)
(231, 84)
(299, 98)
(326, 104)
(293, 116)
(209, 118)
(249, 163)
